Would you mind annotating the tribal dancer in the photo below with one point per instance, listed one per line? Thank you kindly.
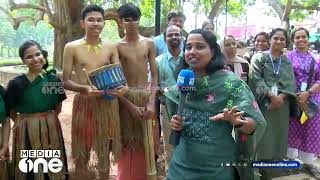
(136, 53)
(95, 121)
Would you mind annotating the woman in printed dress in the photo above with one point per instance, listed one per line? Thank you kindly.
(304, 138)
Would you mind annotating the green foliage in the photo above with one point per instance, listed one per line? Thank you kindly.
(299, 15)
(235, 7)
(302, 13)
(110, 32)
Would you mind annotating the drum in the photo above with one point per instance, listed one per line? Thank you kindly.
(107, 77)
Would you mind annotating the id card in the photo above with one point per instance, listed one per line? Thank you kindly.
(274, 90)
(303, 86)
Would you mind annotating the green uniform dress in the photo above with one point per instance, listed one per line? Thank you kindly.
(37, 126)
(3, 163)
(205, 146)
(262, 77)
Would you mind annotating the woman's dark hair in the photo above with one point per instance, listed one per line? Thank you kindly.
(91, 8)
(273, 32)
(266, 36)
(29, 44)
(293, 33)
(217, 61)
(129, 10)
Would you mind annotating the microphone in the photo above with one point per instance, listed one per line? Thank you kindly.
(185, 83)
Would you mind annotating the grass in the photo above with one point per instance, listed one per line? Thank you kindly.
(17, 65)
(13, 62)
(10, 62)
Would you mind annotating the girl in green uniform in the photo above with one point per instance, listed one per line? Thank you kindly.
(34, 101)
(272, 80)
(4, 137)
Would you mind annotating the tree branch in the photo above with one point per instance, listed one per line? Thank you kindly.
(112, 14)
(287, 10)
(297, 6)
(16, 21)
(15, 6)
(51, 18)
(275, 4)
(215, 9)
(47, 8)
(39, 18)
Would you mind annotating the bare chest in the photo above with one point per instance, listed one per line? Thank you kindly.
(133, 55)
(91, 60)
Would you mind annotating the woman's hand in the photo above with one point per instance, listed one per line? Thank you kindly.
(276, 102)
(176, 123)
(302, 99)
(232, 116)
(4, 152)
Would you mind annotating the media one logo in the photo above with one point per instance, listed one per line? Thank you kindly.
(52, 88)
(32, 159)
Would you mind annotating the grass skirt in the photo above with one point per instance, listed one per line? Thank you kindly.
(95, 125)
(4, 171)
(38, 131)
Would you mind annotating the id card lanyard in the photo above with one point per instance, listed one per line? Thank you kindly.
(304, 63)
(274, 88)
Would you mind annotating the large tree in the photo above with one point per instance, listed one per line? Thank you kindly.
(64, 17)
(212, 8)
(293, 9)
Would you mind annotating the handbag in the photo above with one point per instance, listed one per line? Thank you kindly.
(313, 106)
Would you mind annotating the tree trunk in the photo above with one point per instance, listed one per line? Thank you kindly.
(8, 52)
(276, 5)
(123, 2)
(16, 53)
(215, 9)
(67, 14)
(285, 18)
(1, 51)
